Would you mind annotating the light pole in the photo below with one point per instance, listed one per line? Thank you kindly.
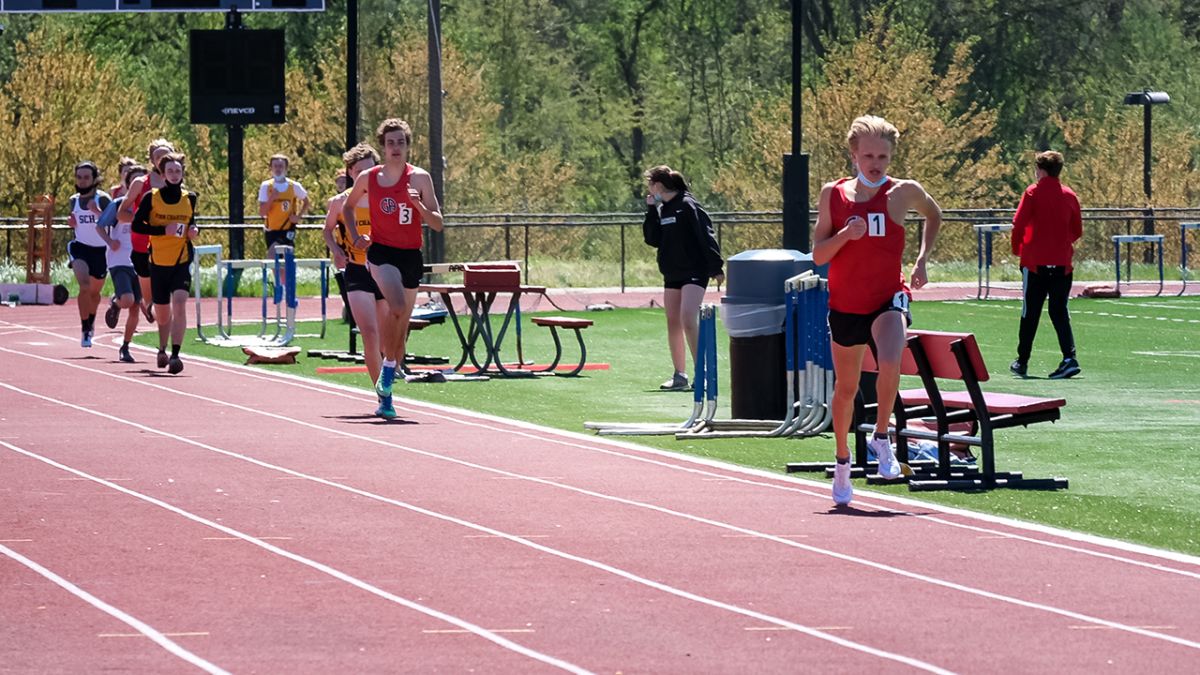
(795, 163)
(1146, 99)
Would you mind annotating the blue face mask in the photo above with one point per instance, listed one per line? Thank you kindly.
(657, 198)
(864, 181)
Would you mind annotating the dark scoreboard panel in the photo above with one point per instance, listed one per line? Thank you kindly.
(161, 5)
(237, 77)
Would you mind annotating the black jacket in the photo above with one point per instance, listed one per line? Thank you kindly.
(686, 241)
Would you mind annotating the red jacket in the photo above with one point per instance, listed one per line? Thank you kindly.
(1046, 225)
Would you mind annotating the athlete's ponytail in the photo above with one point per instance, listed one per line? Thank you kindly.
(667, 177)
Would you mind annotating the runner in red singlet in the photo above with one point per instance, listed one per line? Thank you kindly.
(140, 187)
(402, 200)
(860, 233)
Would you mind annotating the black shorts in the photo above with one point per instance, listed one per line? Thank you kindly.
(702, 282)
(280, 237)
(125, 282)
(95, 257)
(165, 280)
(849, 330)
(141, 263)
(409, 261)
(358, 278)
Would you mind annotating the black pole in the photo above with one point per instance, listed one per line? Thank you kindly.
(1148, 221)
(795, 163)
(437, 160)
(351, 73)
(237, 207)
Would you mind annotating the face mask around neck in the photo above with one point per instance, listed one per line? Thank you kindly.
(863, 180)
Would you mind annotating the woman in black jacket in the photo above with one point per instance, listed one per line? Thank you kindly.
(688, 257)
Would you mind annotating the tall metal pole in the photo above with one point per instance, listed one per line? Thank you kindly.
(1148, 221)
(795, 164)
(237, 167)
(351, 73)
(436, 246)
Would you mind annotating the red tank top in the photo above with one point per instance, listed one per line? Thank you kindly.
(865, 274)
(141, 242)
(395, 220)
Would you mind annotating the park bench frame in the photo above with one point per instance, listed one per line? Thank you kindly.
(933, 356)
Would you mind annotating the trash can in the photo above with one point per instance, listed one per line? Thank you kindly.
(753, 311)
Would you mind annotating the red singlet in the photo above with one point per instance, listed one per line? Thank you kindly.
(395, 220)
(865, 274)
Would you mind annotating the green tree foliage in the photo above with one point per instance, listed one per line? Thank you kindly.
(49, 113)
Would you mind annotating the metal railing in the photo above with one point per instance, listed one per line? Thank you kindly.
(609, 246)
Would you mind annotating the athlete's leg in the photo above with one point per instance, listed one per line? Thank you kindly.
(847, 366)
(691, 295)
(179, 298)
(363, 309)
(888, 333)
(399, 302)
(673, 304)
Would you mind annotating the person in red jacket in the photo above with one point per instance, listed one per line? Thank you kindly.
(1045, 228)
(860, 232)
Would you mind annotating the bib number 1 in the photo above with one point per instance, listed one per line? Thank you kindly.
(876, 224)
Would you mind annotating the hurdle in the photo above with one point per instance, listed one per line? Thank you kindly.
(284, 298)
(704, 389)
(809, 366)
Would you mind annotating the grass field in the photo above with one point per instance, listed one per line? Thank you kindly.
(1129, 438)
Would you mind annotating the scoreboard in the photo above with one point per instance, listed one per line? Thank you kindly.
(237, 77)
(244, 6)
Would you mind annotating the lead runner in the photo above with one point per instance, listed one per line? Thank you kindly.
(860, 233)
(401, 199)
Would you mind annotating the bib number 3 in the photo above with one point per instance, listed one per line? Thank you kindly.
(876, 225)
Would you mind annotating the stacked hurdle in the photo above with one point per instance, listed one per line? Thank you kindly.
(704, 389)
(284, 298)
(809, 364)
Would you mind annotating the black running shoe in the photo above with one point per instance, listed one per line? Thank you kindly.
(112, 314)
(175, 365)
(124, 357)
(163, 359)
(1068, 368)
(1017, 368)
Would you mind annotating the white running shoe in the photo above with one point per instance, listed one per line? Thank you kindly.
(889, 468)
(843, 491)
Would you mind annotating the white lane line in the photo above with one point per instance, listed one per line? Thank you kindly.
(780, 482)
(140, 626)
(674, 460)
(15, 541)
(916, 576)
(139, 635)
(687, 595)
(239, 538)
(777, 628)
(455, 632)
(320, 567)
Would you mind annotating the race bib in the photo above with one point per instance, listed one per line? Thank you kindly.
(405, 214)
(876, 224)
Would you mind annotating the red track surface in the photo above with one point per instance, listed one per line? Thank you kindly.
(256, 523)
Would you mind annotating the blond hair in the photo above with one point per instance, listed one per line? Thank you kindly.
(870, 125)
(357, 154)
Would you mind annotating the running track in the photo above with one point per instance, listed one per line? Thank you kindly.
(228, 520)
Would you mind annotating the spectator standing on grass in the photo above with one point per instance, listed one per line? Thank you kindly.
(127, 291)
(1045, 228)
(688, 257)
(282, 202)
(860, 233)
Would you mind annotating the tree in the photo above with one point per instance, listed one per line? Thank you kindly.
(49, 110)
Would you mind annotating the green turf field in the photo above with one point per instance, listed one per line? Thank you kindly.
(1129, 439)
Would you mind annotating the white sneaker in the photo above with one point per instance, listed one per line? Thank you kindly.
(843, 491)
(889, 468)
